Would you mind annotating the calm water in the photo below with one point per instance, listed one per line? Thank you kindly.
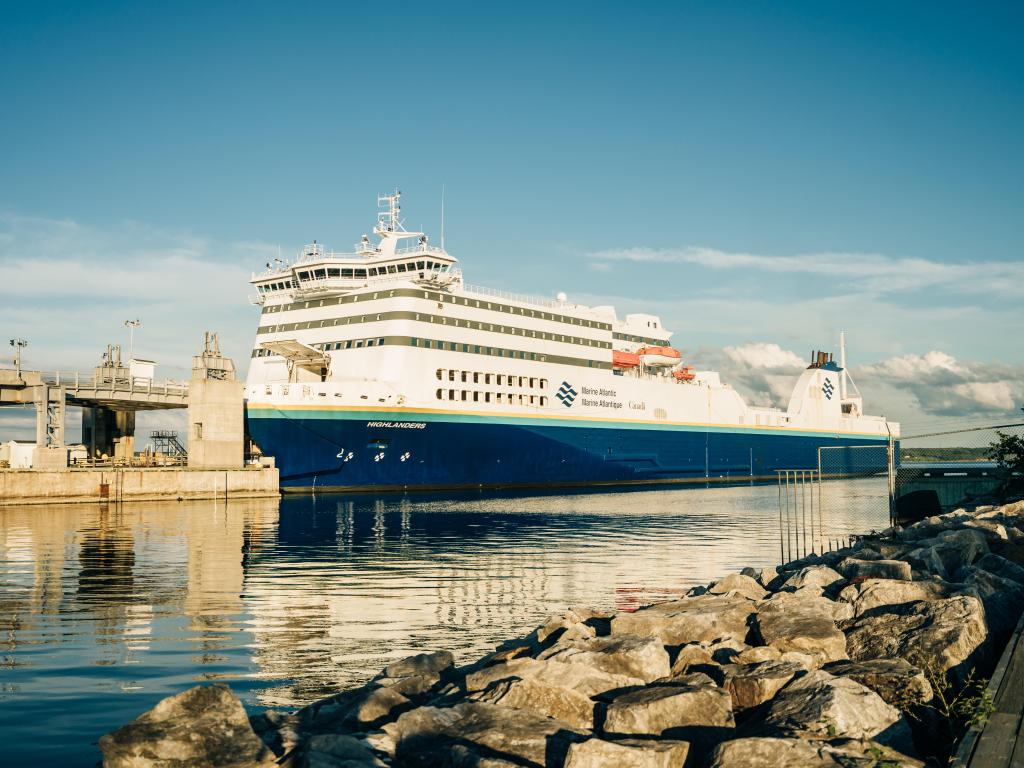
(104, 611)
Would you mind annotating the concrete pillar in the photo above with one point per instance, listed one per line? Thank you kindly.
(51, 451)
(216, 426)
(108, 433)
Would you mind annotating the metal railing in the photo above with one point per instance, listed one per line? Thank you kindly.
(75, 380)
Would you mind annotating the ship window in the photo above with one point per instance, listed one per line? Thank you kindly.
(430, 265)
(348, 345)
(465, 347)
(373, 271)
(520, 399)
(487, 378)
(451, 394)
(487, 397)
(321, 273)
(392, 269)
(413, 342)
(420, 265)
(477, 350)
(451, 375)
(347, 273)
(465, 395)
(369, 342)
(533, 399)
(476, 397)
(439, 394)
(440, 373)
(543, 401)
(359, 343)
(400, 267)
(543, 383)
(303, 275)
(465, 376)
(334, 273)
(533, 382)
(360, 273)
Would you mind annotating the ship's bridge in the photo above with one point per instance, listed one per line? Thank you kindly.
(319, 272)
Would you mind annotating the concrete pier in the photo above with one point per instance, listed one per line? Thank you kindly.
(46, 486)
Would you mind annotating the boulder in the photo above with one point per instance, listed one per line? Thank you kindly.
(1003, 599)
(763, 576)
(817, 578)
(358, 709)
(565, 627)
(948, 552)
(802, 624)
(739, 584)
(578, 677)
(692, 653)
(757, 654)
(668, 710)
(333, 750)
(692, 620)
(948, 634)
(752, 684)
(769, 752)
(1001, 567)
(626, 655)
(433, 664)
(875, 593)
(425, 735)
(896, 681)
(820, 705)
(635, 753)
(542, 698)
(994, 532)
(853, 568)
(205, 725)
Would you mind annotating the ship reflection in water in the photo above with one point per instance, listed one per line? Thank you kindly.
(105, 610)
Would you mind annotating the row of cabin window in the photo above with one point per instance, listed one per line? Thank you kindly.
(276, 286)
(508, 398)
(457, 322)
(499, 379)
(389, 269)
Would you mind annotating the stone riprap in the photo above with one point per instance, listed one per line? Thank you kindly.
(828, 661)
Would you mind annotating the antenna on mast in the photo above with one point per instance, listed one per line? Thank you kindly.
(442, 217)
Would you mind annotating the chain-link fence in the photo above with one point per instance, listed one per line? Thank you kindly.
(940, 471)
(854, 490)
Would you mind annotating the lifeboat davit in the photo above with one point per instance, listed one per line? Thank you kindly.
(659, 357)
(625, 359)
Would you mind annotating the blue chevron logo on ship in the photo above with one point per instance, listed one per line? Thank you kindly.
(566, 394)
(828, 389)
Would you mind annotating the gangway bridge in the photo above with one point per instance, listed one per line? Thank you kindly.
(110, 396)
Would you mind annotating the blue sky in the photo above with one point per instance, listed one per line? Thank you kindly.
(760, 175)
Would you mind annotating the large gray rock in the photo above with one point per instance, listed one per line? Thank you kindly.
(769, 752)
(688, 655)
(578, 677)
(568, 626)
(763, 576)
(334, 750)
(701, 619)
(1003, 599)
(875, 593)
(205, 725)
(948, 634)
(628, 655)
(435, 663)
(668, 710)
(820, 705)
(817, 578)
(544, 699)
(801, 624)
(356, 709)
(634, 753)
(853, 568)
(757, 654)
(1000, 566)
(425, 736)
(896, 681)
(739, 584)
(948, 552)
(752, 684)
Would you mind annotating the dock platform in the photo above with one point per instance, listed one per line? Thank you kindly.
(999, 743)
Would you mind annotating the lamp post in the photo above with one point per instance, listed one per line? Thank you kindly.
(131, 325)
(18, 344)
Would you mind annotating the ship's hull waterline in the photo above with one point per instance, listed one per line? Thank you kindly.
(378, 450)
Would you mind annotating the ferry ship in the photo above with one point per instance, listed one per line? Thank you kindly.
(382, 369)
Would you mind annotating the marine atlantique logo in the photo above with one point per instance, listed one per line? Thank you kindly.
(828, 389)
(566, 394)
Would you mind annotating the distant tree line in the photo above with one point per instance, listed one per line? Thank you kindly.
(957, 453)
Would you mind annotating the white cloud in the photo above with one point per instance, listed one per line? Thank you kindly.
(764, 355)
(876, 273)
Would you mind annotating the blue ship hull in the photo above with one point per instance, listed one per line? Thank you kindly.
(353, 450)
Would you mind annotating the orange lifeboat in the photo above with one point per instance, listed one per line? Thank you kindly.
(684, 374)
(654, 357)
(625, 359)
